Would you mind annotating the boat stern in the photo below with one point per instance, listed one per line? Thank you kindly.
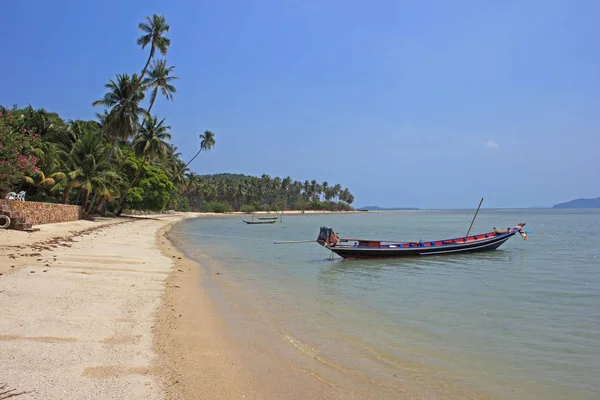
(327, 237)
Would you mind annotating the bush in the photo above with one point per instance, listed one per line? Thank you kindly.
(178, 202)
(184, 204)
(16, 158)
(247, 208)
(218, 207)
(152, 192)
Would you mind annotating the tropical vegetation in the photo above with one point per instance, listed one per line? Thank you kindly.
(125, 160)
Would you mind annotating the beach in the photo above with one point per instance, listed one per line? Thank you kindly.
(110, 309)
(78, 302)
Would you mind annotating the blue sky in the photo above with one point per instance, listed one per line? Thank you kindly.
(430, 104)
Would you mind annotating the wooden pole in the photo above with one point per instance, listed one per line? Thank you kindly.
(296, 241)
(474, 216)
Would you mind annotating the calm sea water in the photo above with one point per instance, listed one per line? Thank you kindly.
(522, 322)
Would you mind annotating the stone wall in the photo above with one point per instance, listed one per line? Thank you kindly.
(36, 213)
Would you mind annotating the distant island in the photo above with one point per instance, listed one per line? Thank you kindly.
(377, 208)
(580, 203)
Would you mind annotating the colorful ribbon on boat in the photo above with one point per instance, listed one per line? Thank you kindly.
(523, 234)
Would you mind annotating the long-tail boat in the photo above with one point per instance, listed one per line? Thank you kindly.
(364, 248)
(268, 218)
(259, 222)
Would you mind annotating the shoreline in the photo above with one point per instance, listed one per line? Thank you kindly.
(198, 357)
(112, 309)
(264, 344)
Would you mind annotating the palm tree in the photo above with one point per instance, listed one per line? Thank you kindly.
(39, 180)
(91, 170)
(207, 142)
(325, 187)
(122, 100)
(173, 165)
(154, 29)
(337, 189)
(158, 78)
(151, 143)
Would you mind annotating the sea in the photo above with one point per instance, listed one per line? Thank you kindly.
(520, 322)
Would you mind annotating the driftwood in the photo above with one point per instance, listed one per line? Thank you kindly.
(6, 393)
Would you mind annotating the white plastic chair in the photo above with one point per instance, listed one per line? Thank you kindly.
(11, 196)
(21, 196)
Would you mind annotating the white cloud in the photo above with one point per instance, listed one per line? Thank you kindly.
(490, 144)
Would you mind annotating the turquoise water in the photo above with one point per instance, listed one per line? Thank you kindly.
(522, 322)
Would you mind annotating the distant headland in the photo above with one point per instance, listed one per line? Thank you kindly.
(580, 203)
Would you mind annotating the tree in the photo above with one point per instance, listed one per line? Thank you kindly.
(154, 28)
(150, 143)
(152, 192)
(122, 100)
(158, 78)
(16, 144)
(91, 170)
(39, 180)
(207, 142)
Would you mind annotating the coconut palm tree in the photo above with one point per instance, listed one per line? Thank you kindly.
(207, 142)
(151, 143)
(154, 28)
(91, 170)
(122, 100)
(158, 78)
(39, 180)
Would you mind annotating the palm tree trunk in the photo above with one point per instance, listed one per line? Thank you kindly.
(100, 207)
(154, 93)
(146, 66)
(112, 149)
(189, 162)
(110, 155)
(90, 208)
(133, 182)
(66, 195)
(86, 197)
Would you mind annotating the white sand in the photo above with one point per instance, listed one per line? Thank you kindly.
(76, 322)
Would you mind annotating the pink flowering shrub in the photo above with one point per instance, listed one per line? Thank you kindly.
(16, 143)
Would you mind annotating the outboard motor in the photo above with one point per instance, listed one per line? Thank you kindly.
(324, 233)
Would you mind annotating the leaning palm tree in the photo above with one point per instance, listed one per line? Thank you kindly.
(154, 29)
(207, 142)
(151, 143)
(158, 78)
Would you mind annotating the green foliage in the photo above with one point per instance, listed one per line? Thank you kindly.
(183, 205)
(152, 192)
(218, 207)
(16, 145)
(264, 193)
(247, 208)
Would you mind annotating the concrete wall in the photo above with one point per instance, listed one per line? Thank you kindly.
(37, 213)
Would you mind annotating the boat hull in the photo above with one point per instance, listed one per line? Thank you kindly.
(259, 222)
(355, 252)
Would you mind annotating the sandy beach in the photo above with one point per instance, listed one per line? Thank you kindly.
(77, 302)
(111, 310)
